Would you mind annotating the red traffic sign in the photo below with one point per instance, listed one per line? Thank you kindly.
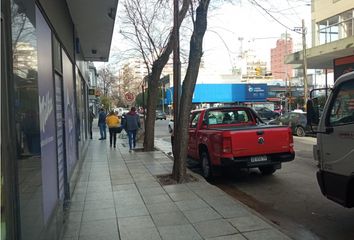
(129, 97)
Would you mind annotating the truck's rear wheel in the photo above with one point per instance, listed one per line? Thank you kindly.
(206, 166)
(267, 170)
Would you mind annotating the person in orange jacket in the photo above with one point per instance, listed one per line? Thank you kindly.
(113, 123)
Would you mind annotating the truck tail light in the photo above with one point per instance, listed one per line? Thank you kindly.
(226, 145)
(291, 138)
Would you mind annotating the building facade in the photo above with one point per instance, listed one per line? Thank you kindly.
(46, 47)
(279, 69)
(332, 35)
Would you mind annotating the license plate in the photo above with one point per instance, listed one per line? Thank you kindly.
(259, 159)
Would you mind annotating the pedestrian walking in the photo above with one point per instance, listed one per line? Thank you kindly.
(102, 124)
(131, 126)
(91, 117)
(113, 123)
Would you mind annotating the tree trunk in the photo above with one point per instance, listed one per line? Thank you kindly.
(153, 86)
(195, 54)
(151, 107)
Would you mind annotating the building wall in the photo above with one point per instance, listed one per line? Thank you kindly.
(59, 17)
(41, 89)
(278, 68)
(323, 9)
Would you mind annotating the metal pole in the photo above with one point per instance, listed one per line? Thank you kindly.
(163, 97)
(326, 80)
(176, 67)
(304, 61)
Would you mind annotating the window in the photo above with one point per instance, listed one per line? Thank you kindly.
(336, 27)
(342, 107)
(194, 120)
(227, 117)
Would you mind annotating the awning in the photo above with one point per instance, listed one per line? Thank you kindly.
(94, 23)
(322, 56)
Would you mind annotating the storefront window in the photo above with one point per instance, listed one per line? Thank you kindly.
(25, 75)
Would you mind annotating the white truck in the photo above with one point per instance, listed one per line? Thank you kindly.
(334, 150)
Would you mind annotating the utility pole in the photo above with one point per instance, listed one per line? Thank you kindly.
(304, 65)
(287, 103)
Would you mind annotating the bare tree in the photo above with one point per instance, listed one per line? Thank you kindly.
(106, 83)
(128, 82)
(190, 79)
(146, 28)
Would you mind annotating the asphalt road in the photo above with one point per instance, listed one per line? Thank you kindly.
(290, 198)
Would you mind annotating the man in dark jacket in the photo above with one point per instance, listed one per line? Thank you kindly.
(102, 124)
(131, 126)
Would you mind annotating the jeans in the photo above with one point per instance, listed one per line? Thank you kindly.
(132, 137)
(112, 136)
(102, 127)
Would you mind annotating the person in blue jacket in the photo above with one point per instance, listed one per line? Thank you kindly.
(131, 126)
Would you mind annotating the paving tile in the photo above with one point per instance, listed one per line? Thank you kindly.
(229, 237)
(169, 218)
(176, 188)
(162, 207)
(231, 211)
(180, 196)
(99, 189)
(139, 234)
(76, 206)
(99, 196)
(131, 193)
(122, 181)
(191, 204)
(267, 234)
(100, 204)
(201, 214)
(74, 216)
(71, 229)
(124, 187)
(179, 232)
(98, 214)
(108, 227)
(78, 197)
(101, 236)
(132, 211)
(135, 222)
(214, 228)
(128, 200)
(249, 223)
(152, 191)
(161, 198)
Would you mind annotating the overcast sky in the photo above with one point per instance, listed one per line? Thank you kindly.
(249, 21)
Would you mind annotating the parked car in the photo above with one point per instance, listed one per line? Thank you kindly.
(266, 113)
(296, 120)
(160, 115)
(236, 136)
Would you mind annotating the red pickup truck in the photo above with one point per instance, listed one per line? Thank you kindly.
(236, 136)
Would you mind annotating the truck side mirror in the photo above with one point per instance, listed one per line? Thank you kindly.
(312, 113)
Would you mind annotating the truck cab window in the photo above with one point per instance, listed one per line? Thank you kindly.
(194, 120)
(342, 108)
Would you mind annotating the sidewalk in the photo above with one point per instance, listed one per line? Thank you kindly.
(118, 197)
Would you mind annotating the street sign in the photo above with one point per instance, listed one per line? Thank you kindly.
(129, 97)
